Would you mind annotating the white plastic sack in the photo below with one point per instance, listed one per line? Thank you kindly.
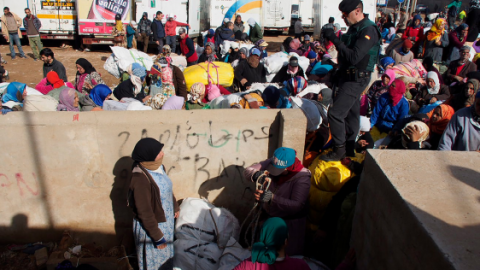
(224, 47)
(313, 88)
(233, 255)
(314, 118)
(111, 65)
(274, 63)
(40, 103)
(125, 58)
(312, 263)
(201, 221)
(196, 255)
(179, 60)
(199, 50)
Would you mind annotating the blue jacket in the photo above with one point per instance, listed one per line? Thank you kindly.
(224, 34)
(385, 115)
(158, 30)
(130, 35)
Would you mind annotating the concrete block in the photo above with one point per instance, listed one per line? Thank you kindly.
(418, 210)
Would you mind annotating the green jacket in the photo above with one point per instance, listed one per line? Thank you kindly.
(256, 33)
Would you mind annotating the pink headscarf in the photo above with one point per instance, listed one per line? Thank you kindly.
(391, 74)
(174, 103)
(295, 44)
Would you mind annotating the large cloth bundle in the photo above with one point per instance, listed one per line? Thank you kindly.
(196, 255)
(220, 73)
(233, 255)
(39, 103)
(413, 68)
(225, 102)
(121, 58)
(311, 111)
(274, 63)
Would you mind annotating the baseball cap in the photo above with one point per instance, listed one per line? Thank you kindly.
(293, 62)
(282, 158)
(256, 52)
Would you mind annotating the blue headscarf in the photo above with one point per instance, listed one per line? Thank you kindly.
(417, 17)
(11, 92)
(386, 61)
(99, 93)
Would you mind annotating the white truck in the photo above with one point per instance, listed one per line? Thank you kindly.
(57, 17)
(271, 15)
(304, 9)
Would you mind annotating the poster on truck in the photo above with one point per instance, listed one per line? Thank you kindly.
(97, 17)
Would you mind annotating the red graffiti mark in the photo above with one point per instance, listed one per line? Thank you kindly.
(75, 117)
(20, 180)
(8, 181)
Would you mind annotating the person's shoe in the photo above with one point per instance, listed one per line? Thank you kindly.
(13, 57)
(338, 153)
(23, 56)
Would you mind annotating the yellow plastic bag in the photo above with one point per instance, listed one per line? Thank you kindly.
(330, 176)
(198, 73)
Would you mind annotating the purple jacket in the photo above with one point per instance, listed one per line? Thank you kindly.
(289, 202)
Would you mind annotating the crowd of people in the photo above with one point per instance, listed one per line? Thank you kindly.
(426, 96)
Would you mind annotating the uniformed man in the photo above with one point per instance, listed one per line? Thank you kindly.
(357, 55)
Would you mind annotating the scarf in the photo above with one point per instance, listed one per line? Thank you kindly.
(146, 151)
(197, 92)
(66, 101)
(433, 75)
(292, 70)
(391, 32)
(446, 113)
(295, 44)
(396, 91)
(435, 32)
(53, 79)
(390, 74)
(152, 165)
(14, 90)
(212, 56)
(137, 75)
(272, 236)
(422, 128)
(99, 93)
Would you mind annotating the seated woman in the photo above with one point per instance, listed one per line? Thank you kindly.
(133, 87)
(87, 77)
(387, 63)
(392, 33)
(415, 135)
(94, 101)
(466, 98)
(46, 85)
(208, 54)
(58, 84)
(288, 193)
(438, 123)
(364, 139)
(68, 100)
(16, 93)
(289, 71)
(295, 46)
(269, 252)
(457, 40)
(431, 93)
(195, 97)
(379, 88)
(391, 107)
(414, 32)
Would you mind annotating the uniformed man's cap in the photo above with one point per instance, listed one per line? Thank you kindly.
(348, 6)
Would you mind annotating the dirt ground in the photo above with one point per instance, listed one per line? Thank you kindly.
(31, 72)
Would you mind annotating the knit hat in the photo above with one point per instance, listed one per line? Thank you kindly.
(348, 6)
(407, 44)
(312, 55)
(243, 50)
(386, 61)
(307, 38)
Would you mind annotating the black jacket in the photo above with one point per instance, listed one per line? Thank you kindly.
(253, 75)
(473, 21)
(282, 75)
(158, 30)
(125, 90)
(57, 67)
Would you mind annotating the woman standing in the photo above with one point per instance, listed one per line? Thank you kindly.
(87, 76)
(131, 30)
(436, 41)
(154, 206)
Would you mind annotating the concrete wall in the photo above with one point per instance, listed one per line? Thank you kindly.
(418, 210)
(71, 171)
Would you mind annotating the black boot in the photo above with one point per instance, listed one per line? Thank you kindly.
(337, 154)
(350, 148)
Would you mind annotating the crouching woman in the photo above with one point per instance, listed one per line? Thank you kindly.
(154, 206)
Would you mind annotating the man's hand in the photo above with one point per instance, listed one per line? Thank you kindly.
(88, 86)
(413, 133)
(363, 143)
(158, 42)
(329, 34)
(243, 81)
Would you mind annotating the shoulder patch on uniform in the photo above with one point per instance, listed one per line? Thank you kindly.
(367, 37)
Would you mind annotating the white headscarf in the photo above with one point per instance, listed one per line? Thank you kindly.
(391, 32)
(364, 124)
(433, 75)
(251, 22)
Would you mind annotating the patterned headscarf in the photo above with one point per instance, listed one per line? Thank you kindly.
(159, 100)
(197, 92)
(137, 75)
(212, 56)
(296, 85)
(435, 31)
(397, 92)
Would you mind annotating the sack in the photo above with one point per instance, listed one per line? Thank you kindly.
(233, 255)
(329, 176)
(36, 103)
(196, 255)
(220, 73)
(200, 220)
(311, 111)
(251, 101)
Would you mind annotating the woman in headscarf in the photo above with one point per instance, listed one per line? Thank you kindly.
(87, 76)
(68, 100)
(295, 46)
(154, 206)
(293, 69)
(387, 62)
(174, 103)
(133, 87)
(379, 88)
(94, 101)
(15, 92)
(466, 98)
(287, 196)
(392, 33)
(195, 97)
(391, 107)
(438, 123)
(436, 41)
(473, 21)
(57, 83)
(269, 252)
(118, 32)
(131, 30)
(457, 40)
(430, 93)
(262, 46)
(428, 65)
(208, 54)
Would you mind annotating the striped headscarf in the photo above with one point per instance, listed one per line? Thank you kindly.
(296, 84)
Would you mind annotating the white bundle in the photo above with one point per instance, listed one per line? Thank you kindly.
(274, 63)
(179, 60)
(123, 58)
(199, 50)
(224, 47)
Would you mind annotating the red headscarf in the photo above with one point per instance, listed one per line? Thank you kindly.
(440, 126)
(396, 91)
(52, 77)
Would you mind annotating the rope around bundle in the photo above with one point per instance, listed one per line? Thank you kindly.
(256, 213)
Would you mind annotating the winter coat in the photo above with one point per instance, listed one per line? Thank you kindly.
(399, 58)
(4, 26)
(171, 27)
(56, 66)
(289, 203)
(473, 22)
(432, 49)
(385, 115)
(253, 75)
(224, 34)
(130, 36)
(158, 30)
(255, 33)
(462, 132)
(282, 75)
(144, 25)
(412, 32)
(36, 22)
